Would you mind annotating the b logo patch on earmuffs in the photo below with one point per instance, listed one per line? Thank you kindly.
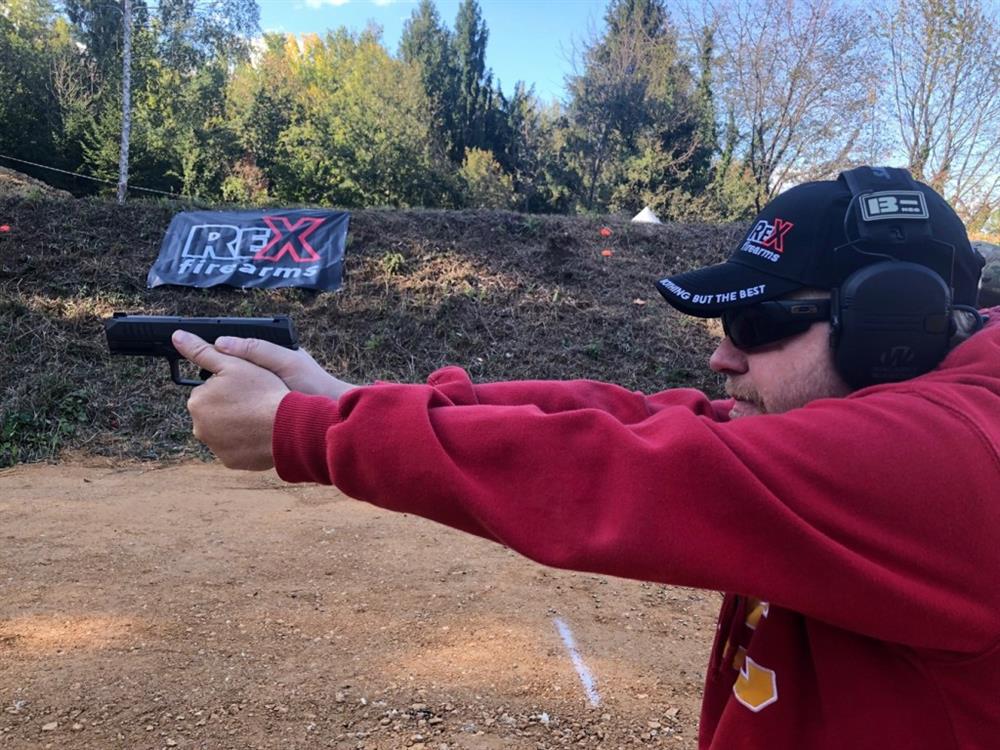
(894, 204)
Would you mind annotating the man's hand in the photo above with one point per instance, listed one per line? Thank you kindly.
(296, 368)
(233, 411)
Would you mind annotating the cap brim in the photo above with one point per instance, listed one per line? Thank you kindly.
(708, 292)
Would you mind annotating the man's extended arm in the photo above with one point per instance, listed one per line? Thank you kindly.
(552, 396)
(835, 510)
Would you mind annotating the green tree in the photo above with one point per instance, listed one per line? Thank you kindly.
(525, 147)
(633, 129)
(182, 110)
(475, 82)
(191, 35)
(732, 193)
(29, 111)
(182, 54)
(365, 135)
(262, 103)
(485, 183)
(200, 142)
(75, 83)
(704, 107)
(97, 27)
(427, 44)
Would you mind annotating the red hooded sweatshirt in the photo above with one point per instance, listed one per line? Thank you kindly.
(860, 536)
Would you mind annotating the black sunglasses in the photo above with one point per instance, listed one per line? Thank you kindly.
(768, 322)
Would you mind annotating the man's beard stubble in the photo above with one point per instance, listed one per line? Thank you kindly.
(747, 395)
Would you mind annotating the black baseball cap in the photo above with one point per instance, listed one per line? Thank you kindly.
(816, 234)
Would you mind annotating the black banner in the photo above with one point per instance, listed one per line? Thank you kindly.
(255, 249)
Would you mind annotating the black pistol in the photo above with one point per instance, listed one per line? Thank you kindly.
(149, 335)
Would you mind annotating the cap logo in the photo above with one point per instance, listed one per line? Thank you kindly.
(767, 240)
(894, 204)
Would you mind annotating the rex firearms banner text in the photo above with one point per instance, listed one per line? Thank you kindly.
(264, 249)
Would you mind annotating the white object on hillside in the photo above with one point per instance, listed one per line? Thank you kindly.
(646, 216)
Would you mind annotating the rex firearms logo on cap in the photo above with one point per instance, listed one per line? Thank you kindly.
(767, 240)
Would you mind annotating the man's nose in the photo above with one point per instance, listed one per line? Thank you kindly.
(727, 359)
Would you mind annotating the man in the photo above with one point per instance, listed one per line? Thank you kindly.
(854, 519)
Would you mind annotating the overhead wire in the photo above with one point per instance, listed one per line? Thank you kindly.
(94, 179)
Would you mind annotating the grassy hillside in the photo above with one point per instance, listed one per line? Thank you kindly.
(502, 294)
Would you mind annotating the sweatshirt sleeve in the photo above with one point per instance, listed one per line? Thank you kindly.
(551, 396)
(876, 513)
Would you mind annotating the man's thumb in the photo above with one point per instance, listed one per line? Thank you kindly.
(262, 353)
(198, 351)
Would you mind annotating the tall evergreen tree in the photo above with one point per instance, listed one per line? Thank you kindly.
(475, 82)
(426, 43)
(630, 114)
(528, 151)
(704, 104)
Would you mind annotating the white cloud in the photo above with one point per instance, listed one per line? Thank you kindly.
(321, 3)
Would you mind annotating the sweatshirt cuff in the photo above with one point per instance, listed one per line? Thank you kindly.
(454, 384)
(298, 442)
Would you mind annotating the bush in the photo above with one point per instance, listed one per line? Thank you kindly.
(245, 184)
(486, 184)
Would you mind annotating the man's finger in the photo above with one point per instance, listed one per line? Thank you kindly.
(262, 353)
(197, 350)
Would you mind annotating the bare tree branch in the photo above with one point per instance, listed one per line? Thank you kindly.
(798, 76)
(945, 58)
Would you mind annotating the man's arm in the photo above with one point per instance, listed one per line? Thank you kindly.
(301, 373)
(553, 396)
(844, 510)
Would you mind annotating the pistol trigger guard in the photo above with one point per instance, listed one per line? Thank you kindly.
(175, 374)
(175, 370)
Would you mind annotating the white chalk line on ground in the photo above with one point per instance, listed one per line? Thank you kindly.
(589, 684)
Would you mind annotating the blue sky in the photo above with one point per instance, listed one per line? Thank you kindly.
(530, 40)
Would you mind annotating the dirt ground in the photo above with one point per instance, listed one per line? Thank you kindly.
(187, 606)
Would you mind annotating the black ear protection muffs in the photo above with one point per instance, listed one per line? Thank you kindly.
(891, 320)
